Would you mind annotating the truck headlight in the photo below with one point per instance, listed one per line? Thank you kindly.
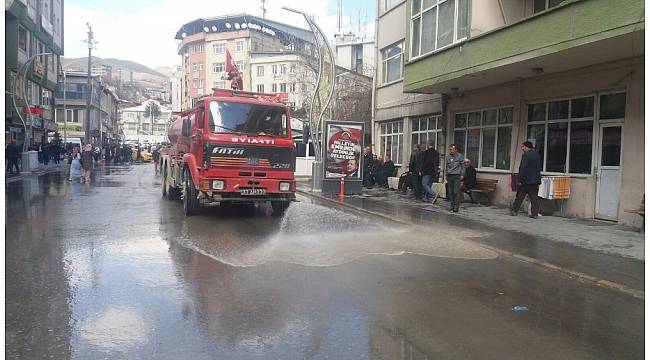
(285, 186)
(218, 184)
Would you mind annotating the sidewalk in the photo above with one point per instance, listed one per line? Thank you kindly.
(594, 249)
(43, 169)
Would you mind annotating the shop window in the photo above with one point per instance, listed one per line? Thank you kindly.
(484, 137)
(427, 128)
(612, 106)
(562, 133)
(391, 140)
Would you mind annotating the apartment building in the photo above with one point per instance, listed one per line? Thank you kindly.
(71, 108)
(400, 120)
(566, 75)
(137, 126)
(32, 27)
(280, 72)
(355, 53)
(203, 45)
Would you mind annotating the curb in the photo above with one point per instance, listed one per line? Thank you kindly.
(24, 175)
(610, 285)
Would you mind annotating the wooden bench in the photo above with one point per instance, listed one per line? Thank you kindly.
(640, 211)
(483, 186)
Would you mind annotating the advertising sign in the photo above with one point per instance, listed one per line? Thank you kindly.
(344, 143)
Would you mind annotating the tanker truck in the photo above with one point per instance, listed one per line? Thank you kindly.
(231, 147)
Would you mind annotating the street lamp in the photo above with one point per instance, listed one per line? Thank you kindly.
(23, 69)
(317, 166)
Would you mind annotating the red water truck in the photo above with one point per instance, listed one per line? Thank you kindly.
(231, 147)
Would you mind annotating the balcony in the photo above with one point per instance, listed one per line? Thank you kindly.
(576, 34)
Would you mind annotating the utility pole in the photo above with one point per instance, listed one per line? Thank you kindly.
(90, 41)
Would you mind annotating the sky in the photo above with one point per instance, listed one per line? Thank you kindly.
(143, 30)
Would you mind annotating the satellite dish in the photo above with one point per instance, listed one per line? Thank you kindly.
(237, 26)
(228, 25)
(244, 26)
(184, 35)
(206, 29)
(214, 28)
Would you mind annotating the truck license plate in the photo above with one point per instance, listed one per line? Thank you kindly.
(253, 191)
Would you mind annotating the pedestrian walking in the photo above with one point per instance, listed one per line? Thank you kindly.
(75, 165)
(415, 170)
(455, 173)
(87, 158)
(529, 179)
(12, 153)
(430, 163)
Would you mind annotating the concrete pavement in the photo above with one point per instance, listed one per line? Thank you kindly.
(604, 253)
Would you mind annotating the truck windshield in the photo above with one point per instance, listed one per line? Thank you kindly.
(251, 119)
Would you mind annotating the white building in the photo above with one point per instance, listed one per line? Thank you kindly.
(175, 82)
(138, 127)
(355, 53)
(278, 72)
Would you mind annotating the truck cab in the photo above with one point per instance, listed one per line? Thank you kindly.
(231, 147)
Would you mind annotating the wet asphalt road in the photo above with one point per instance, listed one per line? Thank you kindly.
(113, 271)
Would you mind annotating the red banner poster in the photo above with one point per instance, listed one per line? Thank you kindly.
(343, 156)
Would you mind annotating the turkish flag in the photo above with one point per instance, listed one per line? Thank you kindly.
(233, 73)
(230, 64)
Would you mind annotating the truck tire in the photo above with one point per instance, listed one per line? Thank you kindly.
(190, 202)
(280, 207)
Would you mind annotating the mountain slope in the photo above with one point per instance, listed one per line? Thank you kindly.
(125, 65)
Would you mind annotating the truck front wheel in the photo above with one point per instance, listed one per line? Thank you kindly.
(280, 207)
(190, 200)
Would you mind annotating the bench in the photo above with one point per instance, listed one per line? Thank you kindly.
(640, 211)
(483, 186)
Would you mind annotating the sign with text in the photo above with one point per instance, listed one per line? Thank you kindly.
(344, 142)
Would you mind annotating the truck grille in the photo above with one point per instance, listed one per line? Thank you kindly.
(267, 158)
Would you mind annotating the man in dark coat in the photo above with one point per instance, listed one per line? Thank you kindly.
(415, 170)
(430, 163)
(386, 170)
(368, 163)
(529, 179)
(12, 154)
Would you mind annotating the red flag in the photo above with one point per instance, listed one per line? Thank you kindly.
(233, 73)
(230, 64)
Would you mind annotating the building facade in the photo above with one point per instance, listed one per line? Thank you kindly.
(71, 108)
(139, 127)
(175, 88)
(32, 27)
(566, 75)
(400, 120)
(203, 45)
(355, 53)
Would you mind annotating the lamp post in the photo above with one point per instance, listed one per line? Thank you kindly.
(24, 69)
(319, 37)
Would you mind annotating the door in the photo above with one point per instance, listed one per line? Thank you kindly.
(609, 171)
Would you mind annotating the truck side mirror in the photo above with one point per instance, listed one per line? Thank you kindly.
(186, 127)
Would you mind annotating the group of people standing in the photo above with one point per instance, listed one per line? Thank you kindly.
(460, 176)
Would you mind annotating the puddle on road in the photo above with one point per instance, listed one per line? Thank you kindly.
(115, 329)
(312, 235)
